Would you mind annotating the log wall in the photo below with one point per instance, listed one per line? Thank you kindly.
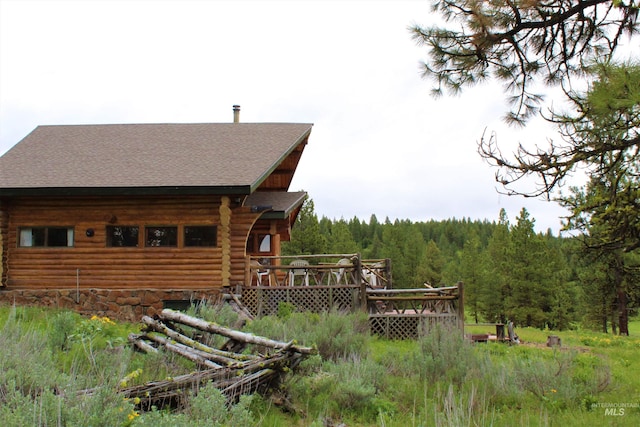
(90, 264)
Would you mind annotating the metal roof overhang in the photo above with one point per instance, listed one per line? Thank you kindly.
(278, 208)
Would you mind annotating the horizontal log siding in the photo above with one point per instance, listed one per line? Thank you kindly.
(103, 267)
(242, 221)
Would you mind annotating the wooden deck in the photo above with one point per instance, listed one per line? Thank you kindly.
(344, 282)
(408, 313)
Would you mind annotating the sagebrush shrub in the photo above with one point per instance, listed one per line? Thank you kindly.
(37, 391)
(344, 386)
(26, 360)
(445, 355)
(61, 329)
(335, 335)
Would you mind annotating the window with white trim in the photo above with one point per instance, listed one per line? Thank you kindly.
(53, 237)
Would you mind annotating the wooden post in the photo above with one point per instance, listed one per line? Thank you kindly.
(461, 306)
(247, 270)
(357, 264)
(4, 239)
(387, 273)
(554, 341)
(500, 331)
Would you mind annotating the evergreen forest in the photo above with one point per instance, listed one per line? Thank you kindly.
(510, 272)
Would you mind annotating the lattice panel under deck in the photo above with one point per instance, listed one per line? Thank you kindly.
(264, 301)
(394, 327)
(344, 299)
(400, 327)
(448, 321)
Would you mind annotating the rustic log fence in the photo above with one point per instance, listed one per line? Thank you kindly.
(406, 313)
(317, 283)
(229, 368)
(318, 270)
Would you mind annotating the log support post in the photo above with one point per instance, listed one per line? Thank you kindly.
(461, 306)
(4, 243)
(357, 275)
(225, 232)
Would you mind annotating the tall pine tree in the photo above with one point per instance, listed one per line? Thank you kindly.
(305, 235)
(493, 296)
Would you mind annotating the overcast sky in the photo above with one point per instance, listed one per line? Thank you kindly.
(380, 144)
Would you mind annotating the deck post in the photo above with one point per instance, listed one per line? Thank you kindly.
(387, 273)
(247, 271)
(461, 306)
(359, 280)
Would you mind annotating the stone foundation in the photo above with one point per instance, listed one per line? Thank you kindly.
(126, 305)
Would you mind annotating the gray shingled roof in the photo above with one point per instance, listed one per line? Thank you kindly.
(227, 157)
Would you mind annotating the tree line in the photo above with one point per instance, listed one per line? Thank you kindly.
(575, 47)
(510, 271)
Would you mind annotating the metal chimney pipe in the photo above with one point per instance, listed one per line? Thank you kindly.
(236, 114)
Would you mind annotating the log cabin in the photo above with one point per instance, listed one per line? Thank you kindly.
(123, 219)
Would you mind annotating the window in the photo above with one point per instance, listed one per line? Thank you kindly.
(46, 236)
(161, 236)
(259, 243)
(200, 236)
(265, 243)
(122, 236)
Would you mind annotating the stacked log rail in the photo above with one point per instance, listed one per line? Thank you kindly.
(230, 368)
(419, 300)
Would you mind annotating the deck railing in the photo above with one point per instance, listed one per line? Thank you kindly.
(318, 270)
(404, 313)
(317, 283)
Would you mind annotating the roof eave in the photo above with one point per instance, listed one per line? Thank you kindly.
(125, 191)
(284, 214)
(304, 137)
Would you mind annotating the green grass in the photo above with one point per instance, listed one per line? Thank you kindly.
(618, 354)
(48, 355)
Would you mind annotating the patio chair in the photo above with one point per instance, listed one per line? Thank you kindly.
(260, 272)
(372, 275)
(302, 271)
(341, 275)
